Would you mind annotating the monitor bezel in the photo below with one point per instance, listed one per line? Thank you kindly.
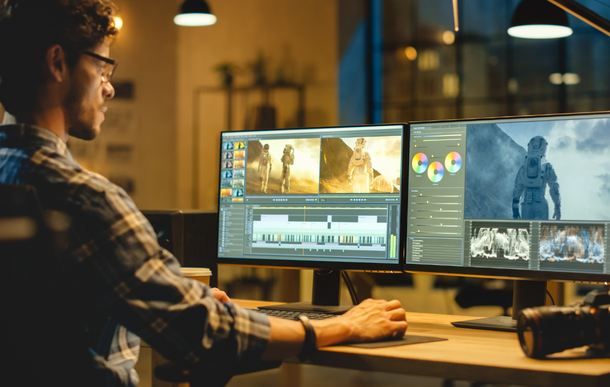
(329, 265)
(511, 274)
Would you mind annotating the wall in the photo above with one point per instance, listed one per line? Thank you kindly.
(300, 38)
(146, 51)
(137, 146)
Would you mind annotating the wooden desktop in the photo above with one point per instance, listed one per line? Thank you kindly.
(468, 354)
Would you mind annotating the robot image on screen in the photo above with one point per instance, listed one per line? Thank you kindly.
(287, 161)
(531, 182)
(360, 168)
(264, 167)
(284, 167)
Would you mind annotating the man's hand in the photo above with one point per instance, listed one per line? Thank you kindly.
(376, 319)
(370, 320)
(220, 295)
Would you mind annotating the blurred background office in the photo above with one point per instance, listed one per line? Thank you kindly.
(278, 64)
(288, 63)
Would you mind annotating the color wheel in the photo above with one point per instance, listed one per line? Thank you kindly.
(436, 172)
(453, 162)
(420, 163)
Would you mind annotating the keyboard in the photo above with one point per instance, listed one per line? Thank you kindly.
(294, 315)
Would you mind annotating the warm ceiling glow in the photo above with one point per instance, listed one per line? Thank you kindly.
(451, 85)
(539, 31)
(448, 37)
(571, 79)
(411, 53)
(513, 86)
(428, 60)
(118, 22)
(567, 78)
(195, 19)
(556, 78)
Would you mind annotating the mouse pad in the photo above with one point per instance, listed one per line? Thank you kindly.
(407, 339)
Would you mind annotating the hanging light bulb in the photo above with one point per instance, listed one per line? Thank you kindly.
(195, 13)
(539, 19)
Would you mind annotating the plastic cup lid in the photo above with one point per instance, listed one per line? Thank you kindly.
(196, 271)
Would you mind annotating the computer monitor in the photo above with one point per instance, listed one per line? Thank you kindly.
(327, 199)
(524, 198)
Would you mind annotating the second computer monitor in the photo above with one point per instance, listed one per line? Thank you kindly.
(516, 197)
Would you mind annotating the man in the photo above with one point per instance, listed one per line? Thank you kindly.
(55, 72)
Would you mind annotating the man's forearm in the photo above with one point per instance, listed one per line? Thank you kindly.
(287, 337)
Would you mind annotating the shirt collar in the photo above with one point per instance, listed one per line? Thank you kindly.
(45, 136)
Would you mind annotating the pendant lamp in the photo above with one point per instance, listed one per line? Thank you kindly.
(195, 13)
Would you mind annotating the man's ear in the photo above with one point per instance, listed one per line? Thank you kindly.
(55, 65)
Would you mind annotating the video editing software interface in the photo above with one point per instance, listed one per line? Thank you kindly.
(524, 193)
(311, 195)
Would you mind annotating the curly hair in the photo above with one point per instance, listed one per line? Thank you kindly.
(29, 27)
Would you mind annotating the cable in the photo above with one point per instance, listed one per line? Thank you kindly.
(350, 287)
(551, 297)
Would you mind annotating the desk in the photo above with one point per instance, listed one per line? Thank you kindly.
(469, 354)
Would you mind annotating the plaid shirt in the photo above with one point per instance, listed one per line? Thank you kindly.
(127, 286)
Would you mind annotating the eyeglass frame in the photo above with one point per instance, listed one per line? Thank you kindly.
(106, 76)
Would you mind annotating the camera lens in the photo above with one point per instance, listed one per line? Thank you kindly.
(547, 330)
(528, 328)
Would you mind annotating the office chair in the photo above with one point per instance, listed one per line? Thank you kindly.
(39, 340)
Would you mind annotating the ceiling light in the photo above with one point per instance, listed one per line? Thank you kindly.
(571, 79)
(195, 13)
(539, 19)
(448, 37)
(556, 78)
(411, 53)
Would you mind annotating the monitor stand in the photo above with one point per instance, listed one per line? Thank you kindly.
(526, 294)
(325, 295)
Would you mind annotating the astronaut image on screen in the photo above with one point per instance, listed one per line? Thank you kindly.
(360, 168)
(264, 168)
(287, 161)
(347, 165)
(531, 182)
(282, 166)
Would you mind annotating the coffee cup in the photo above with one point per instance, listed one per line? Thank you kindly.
(201, 274)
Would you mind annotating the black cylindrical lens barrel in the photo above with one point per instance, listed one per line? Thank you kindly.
(551, 329)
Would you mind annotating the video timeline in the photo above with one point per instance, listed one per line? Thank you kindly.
(343, 231)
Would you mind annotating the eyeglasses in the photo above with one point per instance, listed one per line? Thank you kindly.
(109, 67)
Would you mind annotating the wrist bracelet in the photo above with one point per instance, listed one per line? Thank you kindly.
(309, 345)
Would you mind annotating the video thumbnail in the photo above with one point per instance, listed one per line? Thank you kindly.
(509, 242)
(551, 170)
(570, 243)
(288, 166)
(360, 165)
